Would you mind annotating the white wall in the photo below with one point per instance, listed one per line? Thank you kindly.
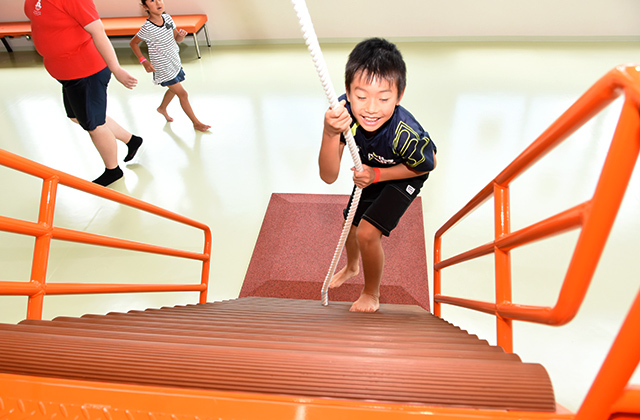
(275, 20)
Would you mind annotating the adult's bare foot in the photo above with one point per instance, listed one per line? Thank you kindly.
(343, 275)
(366, 303)
(164, 113)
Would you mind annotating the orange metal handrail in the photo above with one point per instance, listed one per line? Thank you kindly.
(595, 217)
(44, 232)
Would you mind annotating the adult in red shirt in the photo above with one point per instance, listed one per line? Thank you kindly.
(71, 38)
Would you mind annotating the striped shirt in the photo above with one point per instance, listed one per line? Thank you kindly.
(164, 52)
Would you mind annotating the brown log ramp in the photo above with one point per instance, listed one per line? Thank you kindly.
(400, 354)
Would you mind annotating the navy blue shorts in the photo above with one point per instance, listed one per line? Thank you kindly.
(179, 78)
(383, 204)
(86, 99)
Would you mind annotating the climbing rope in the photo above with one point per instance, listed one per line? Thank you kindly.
(313, 45)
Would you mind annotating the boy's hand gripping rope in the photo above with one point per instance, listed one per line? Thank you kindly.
(311, 40)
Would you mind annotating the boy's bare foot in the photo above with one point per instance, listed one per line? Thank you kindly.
(201, 127)
(342, 276)
(366, 303)
(163, 111)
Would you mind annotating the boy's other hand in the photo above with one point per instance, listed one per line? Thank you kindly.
(337, 120)
(363, 178)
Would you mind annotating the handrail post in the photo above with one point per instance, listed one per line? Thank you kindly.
(616, 370)
(502, 226)
(42, 247)
(206, 265)
(437, 275)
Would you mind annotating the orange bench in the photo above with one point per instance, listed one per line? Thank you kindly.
(13, 29)
(118, 26)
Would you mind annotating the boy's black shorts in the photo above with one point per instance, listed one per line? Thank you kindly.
(383, 204)
(86, 99)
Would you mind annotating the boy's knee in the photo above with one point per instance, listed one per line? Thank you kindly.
(367, 234)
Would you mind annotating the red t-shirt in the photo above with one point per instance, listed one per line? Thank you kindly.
(57, 29)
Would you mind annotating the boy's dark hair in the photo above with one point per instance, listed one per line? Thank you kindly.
(376, 58)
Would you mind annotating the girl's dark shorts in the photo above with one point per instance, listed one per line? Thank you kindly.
(86, 99)
(179, 78)
(384, 203)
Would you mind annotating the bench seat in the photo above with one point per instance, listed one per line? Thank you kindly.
(13, 29)
(118, 26)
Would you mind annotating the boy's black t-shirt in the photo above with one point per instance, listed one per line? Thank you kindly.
(400, 140)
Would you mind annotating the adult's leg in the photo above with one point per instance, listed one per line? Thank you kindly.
(105, 141)
(85, 101)
(132, 141)
(117, 130)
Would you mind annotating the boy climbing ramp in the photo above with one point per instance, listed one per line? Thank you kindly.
(397, 155)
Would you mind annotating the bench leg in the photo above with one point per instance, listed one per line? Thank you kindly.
(206, 35)
(6, 45)
(195, 41)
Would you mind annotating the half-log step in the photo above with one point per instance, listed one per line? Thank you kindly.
(401, 354)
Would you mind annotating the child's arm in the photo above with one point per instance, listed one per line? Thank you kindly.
(102, 43)
(179, 34)
(336, 121)
(135, 46)
(425, 163)
(366, 177)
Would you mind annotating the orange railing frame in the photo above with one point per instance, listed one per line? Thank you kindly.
(595, 216)
(44, 232)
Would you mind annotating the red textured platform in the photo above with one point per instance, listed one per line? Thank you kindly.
(297, 242)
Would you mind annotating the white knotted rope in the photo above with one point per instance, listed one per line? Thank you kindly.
(311, 40)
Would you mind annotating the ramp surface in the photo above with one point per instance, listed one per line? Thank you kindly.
(298, 239)
(284, 347)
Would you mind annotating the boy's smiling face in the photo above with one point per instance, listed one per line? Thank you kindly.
(372, 101)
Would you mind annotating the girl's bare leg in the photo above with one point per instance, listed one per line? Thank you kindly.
(166, 100)
(183, 96)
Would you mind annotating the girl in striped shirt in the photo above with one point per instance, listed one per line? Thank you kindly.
(162, 37)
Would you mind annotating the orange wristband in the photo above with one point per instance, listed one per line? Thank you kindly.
(376, 177)
(142, 59)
